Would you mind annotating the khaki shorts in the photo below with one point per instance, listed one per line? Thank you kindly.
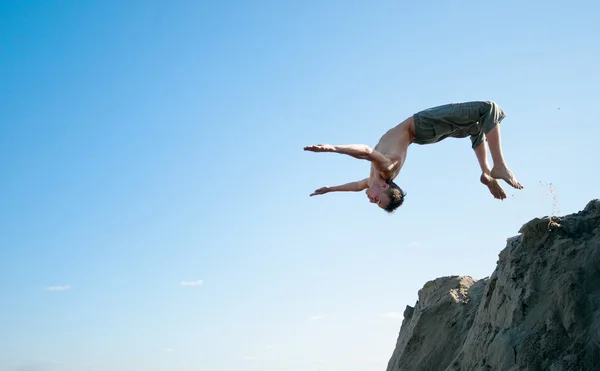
(457, 120)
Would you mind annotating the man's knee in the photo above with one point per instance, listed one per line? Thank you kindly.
(495, 110)
(488, 106)
(491, 115)
(477, 140)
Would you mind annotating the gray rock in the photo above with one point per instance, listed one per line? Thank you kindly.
(539, 310)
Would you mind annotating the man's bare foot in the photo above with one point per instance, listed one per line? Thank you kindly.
(504, 173)
(495, 188)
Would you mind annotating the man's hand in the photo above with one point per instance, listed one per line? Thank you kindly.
(348, 187)
(320, 148)
(359, 151)
(321, 191)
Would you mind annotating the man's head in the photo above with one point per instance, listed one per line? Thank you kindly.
(387, 195)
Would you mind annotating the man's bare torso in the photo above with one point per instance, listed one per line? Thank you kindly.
(394, 145)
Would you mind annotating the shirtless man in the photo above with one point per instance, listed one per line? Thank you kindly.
(478, 120)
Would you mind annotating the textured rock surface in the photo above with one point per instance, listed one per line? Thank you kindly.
(539, 310)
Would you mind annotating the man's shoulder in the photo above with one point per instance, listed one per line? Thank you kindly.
(390, 150)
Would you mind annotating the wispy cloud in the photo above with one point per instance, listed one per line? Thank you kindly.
(393, 315)
(250, 358)
(191, 283)
(169, 350)
(316, 318)
(269, 346)
(58, 288)
(414, 244)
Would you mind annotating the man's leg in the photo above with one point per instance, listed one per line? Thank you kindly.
(485, 178)
(481, 153)
(490, 121)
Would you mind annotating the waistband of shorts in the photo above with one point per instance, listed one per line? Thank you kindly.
(418, 125)
(417, 119)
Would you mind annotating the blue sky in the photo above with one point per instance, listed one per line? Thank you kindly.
(148, 144)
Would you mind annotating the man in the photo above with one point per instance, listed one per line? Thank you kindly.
(478, 120)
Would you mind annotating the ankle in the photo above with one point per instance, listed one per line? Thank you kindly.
(500, 165)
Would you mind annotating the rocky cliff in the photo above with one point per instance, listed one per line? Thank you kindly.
(539, 310)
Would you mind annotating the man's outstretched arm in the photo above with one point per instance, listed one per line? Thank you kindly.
(348, 187)
(359, 151)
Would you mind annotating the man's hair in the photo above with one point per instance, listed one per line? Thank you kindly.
(396, 195)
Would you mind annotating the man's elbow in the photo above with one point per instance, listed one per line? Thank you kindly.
(367, 152)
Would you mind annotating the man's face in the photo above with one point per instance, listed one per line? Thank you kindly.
(377, 195)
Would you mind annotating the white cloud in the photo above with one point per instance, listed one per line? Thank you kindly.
(393, 315)
(414, 244)
(270, 346)
(168, 350)
(58, 288)
(315, 318)
(250, 358)
(191, 283)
